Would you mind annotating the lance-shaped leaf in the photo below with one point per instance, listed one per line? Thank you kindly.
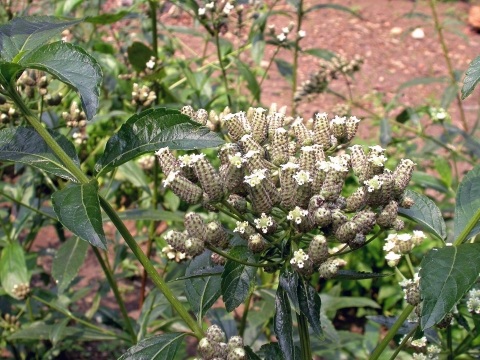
(472, 77)
(24, 34)
(202, 292)
(78, 209)
(25, 145)
(426, 214)
(13, 268)
(151, 130)
(282, 323)
(289, 281)
(446, 275)
(157, 347)
(467, 202)
(71, 65)
(237, 278)
(67, 262)
(310, 305)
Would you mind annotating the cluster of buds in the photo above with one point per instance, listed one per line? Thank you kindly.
(411, 289)
(397, 245)
(31, 80)
(173, 254)
(329, 70)
(10, 323)
(76, 117)
(80, 138)
(220, 9)
(142, 96)
(215, 347)
(341, 109)
(279, 180)
(425, 352)
(8, 114)
(438, 114)
(21, 291)
(473, 302)
(286, 31)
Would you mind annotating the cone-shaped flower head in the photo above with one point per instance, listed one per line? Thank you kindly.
(297, 215)
(299, 258)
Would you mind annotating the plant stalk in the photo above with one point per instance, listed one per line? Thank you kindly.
(305, 347)
(243, 322)
(222, 67)
(295, 54)
(471, 224)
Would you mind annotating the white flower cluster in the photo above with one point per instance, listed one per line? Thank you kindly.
(398, 244)
(299, 258)
(473, 302)
(264, 223)
(297, 214)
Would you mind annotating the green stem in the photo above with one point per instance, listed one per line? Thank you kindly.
(410, 265)
(438, 27)
(449, 343)
(305, 347)
(220, 60)
(392, 332)
(465, 344)
(225, 255)
(264, 75)
(80, 321)
(156, 278)
(403, 343)
(243, 322)
(471, 224)
(28, 206)
(295, 54)
(30, 312)
(116, 293)
(153, 18)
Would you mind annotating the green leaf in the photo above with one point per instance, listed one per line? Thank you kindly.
(442, 165)
(237, 278)
(422, 81)
(321, 53)
(157, 347)
(216, 270)
(285, 69)
(467, 203)
(7, 72)
(138, 55)
(332, 6)
(219, 316)
(271, 352)
(250, 354)
(78, 209)
(472, 77)
(334, 303)
(105, 19)
(385, 131)
(449, 95)
(282, 324)
(58, 331)
(73, 66)
(13, 268)
(358, 275)
(289, 281)
(26, 146)
(24, 34)
(446, 275)
(258, 48)
(151, 130)
(146, 214)
(252, 83)
(428, 181)
(310, 305)
(133, 173)
(202, 292)
(68, 260)
(426, 214)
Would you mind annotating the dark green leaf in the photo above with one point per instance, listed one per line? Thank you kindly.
(68, 260)
(282, 324)
(471, 143)
(250, 354)
(150, 311)
(78, 209)
(252, 83)
(138, 55)
(13, 268)
(310, 305)
(157, 347)
(26, 146)
(151, 130)
(289, 281)
(258, 48)
(385, 131)
(24, 34)
(219, 316)
(442, 165)
(428, 181)
(333, 6)
(271, 352)
(334, 303)
(202, 292)
(58, 331)
(408, 113)
(446, 275)
(285, 69)
(237, 278)
(105, 19)
(146, 214)
(472, 77)
(449, 95)
(426, 214)
(422, 81)
(7, 72)
(358, 275)
(467, 202)
(321, 53)
(217, 270)
(73, 66)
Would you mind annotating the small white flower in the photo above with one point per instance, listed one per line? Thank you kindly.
(263, 223)
(159, 152)
(187, 160)
(377, 160)
(285, 30)
(228, 7)
(419, 342)
(339, 120)
(419, 356)
(201, 11)
(241, 226)
(354, 119)
(195, 157)
(256, 177)
(210, 5)
(151, 63)
(473, 302)
(281, 37)
(297, 214)
(299, 258)
(289, 165)
(433, 350)
(373, 184)
(236, 160)
(389, 246)
(418, 33)
(251, 154)
(405, 283)
(170, 178)
(302, 177)
(323, 165)
(301, 34)
(377, 148)
(392, 258)
(404, 237)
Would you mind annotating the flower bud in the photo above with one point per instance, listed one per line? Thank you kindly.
(412, 295)
(275, 121)
(398, 224)
(346, 232)
(319, 175)
(373, 195)
(303, 188)
(215, 333)
(387, 216)
(357, 242)
(167, 161)
(216, 235)
(356, 200)
(339, 129)
(288, 184)
(328, 269)
(237, 354)
(321, 130)
(259, 125)
(351, 127)
(248, 143)
(227, 150)
(404, 243)
(359, 162)
(234, 342)
(232, 176)
(386, 192)
(194, 246)
(235, 125)
(338, 219)
(279, 149)
(176, 240)
(256, 243)
(307, 159)
(402, 175)
(302, 134)
(220, 351)
(318, 249)
(209, 179)
(445, 322)
(183, 188)
(407, 202)
(333, 183)
(195, 225)
(365, 221)
(418, 237)
(238, 202)
(218, 259)
(201, 116)
(254, 161)
(322, 217)
(187, 110)
(206, 348)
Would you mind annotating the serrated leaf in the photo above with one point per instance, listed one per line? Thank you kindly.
(426, 213)
(310, 305)
(428, 181)
(26, 146)
(151, 130)
(237, 278)
(472, 77)
(422, 81)
(333, 6)
(146, 214)
(157, 347)
(73, 66)
(68, 260)
(358, 275)
(138, 55)
(24, 34)
(250, 354)
(467, 202)
(442, 165)
(78, 209)
(105, 19)
(202, 292)
(282, 324)
(289, 281)
(285, 69)
(446, 275)
(13, 268)
(271, 352)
